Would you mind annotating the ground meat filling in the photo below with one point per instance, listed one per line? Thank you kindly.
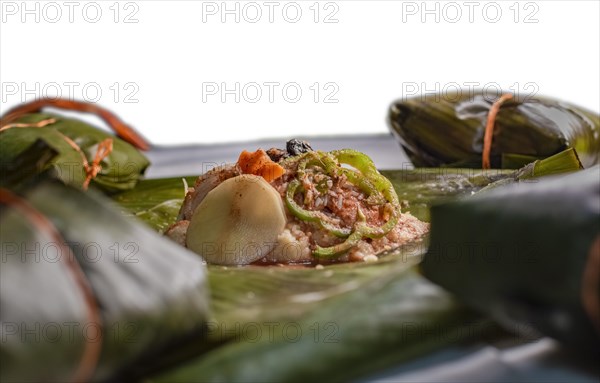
(338, 200)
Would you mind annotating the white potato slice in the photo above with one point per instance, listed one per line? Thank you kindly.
(237, 222)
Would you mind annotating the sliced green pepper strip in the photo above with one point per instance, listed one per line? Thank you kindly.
(350, 242)
(365, 185)
(330, 164)
(355, 159)
(310, 215)
(318, 158)
(361, 230)
(366, 178)
(366, 166)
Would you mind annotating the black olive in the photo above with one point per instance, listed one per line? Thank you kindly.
(295, 147)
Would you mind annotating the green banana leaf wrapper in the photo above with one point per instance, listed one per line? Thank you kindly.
(149, 291)
(121, 169)
(342, 322)
(528, 254)
(447, 130)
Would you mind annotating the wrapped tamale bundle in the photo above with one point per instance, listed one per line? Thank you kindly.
(120, 169)
(85, 156)
(85, 291)
(526, 253)
(449, 129)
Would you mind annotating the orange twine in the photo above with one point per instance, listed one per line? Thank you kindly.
(489, 129)
(122, 130)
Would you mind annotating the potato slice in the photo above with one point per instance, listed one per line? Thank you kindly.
(238, 222)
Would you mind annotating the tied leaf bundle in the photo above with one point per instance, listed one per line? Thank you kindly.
(85, 291)
(526, 253)
(449, 130)
(84, 154)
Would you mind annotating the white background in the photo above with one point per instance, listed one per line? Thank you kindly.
(150, 59)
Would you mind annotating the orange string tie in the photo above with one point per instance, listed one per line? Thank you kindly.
(39, 124)
(122, 130)
(104, 149)
(489, 130)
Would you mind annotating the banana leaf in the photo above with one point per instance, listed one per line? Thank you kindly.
(528, 254)
(148, 291)
(343, 322)
(447, 130)
(33, 160)
(155, 201)
(120, 170)
(392, 316)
